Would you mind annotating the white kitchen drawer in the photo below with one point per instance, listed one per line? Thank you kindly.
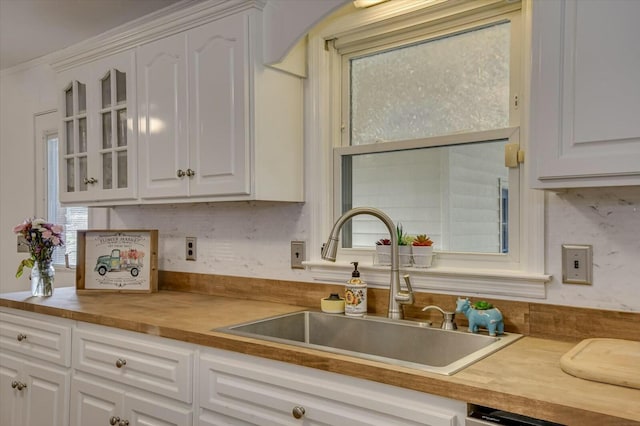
(242, 390)
(38, 336)
(147, 362)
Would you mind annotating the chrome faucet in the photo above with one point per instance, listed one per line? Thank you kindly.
(397, 297)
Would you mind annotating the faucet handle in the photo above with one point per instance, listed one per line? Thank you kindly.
(405, 297)
(448, 317)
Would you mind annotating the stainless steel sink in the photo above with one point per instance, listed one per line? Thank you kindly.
(397, 342)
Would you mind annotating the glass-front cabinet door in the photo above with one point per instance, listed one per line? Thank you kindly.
(98, 131)
(113, 135)
(74, 134)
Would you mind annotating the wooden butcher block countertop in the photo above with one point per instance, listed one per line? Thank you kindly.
(524, 377)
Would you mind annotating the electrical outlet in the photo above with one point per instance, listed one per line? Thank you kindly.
(23, 246)
(297, 254)
(577, 264)
(190, 248)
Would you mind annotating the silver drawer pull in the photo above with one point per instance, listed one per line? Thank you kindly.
(21, 337)
(121, 362)
(114, 420)
(297, 412)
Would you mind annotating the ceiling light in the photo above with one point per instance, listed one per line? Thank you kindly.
(366, 3)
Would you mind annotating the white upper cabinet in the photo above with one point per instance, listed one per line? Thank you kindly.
(188, 113)
(97, 141)
(585, 94)
(215, 124)
(163, 138)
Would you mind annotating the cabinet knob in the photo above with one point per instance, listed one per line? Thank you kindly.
(113, 420)
(123, 423)
(180, 173)
(297, 412)
(18, 385)
(121, 362)
(90, 181)
(191, 173)
(21, 337)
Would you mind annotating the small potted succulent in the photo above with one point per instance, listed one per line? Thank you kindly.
(422, 251)
(383, 252)
(404, 246)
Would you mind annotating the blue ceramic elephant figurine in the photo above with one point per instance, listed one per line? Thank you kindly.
(491, 319)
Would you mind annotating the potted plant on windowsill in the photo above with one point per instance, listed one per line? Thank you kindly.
(404, 246)
(383, 252)
(422, 251)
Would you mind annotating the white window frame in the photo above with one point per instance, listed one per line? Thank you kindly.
(521, 275)
(46, 124)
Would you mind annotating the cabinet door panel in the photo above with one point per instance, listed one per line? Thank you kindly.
(141, 411)
(162, 118)
(10, 398)
(585, 94)
(47, 395)
(218, 64)
(94, 403)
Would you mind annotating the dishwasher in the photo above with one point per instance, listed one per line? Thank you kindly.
(486, 416)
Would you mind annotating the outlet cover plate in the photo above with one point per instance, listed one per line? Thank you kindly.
(190, 248)
(577, 264)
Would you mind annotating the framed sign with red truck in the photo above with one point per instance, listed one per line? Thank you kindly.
(117, 260)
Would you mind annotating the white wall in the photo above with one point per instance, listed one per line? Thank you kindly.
(252, 239)
(22, 94)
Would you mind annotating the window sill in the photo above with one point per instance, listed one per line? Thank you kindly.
(457, 281)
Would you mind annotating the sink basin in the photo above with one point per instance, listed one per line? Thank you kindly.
(398, 342)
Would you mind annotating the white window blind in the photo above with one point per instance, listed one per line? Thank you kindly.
(72, 218)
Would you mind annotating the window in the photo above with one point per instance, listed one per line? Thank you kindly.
(72, 218)
(47, 186)
(457, 83)
(414, 104)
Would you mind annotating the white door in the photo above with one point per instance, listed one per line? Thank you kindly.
(162, 125)
(218, 86)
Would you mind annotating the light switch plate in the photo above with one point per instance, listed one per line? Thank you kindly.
(297, 254)
(577, 264)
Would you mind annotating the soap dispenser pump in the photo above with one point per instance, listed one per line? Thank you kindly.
(355, 294)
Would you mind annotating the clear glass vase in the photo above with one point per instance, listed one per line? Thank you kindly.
(42, 277)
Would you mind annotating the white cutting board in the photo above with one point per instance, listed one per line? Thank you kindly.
(613, 361)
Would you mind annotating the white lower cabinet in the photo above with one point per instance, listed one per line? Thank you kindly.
(34, 369)
(126, 379)
(95, 401)
(56, 372)
(237, 389)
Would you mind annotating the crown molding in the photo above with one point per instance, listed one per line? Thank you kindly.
(168, 21)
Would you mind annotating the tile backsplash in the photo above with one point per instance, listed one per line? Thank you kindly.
(252, 239)
(608, 219)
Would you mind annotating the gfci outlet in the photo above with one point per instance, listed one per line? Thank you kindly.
(190, 248)
(297, 254)
(577, 264)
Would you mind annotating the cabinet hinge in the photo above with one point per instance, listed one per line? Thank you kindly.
(516, 101)
(513, 155)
